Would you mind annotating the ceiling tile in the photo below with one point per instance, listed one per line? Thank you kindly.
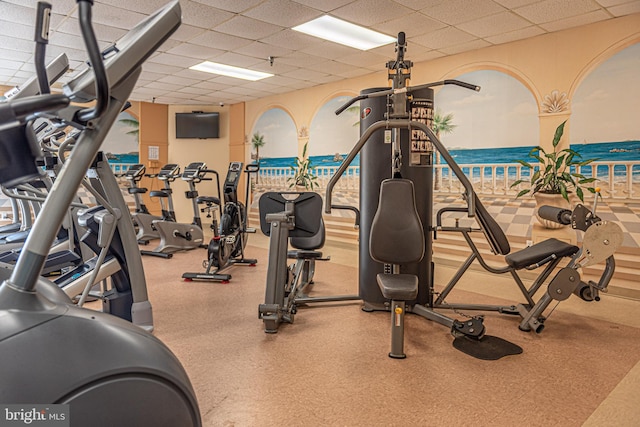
(16, 30)
(200, 15)
(553, 10)
(412, 25)
(574, 21)
(524, 33)
(305, 74)
(325, 5)
(370, 12)
(114, 16)
(231, 5)
(449, 36)
(103, 32)
(237, 60)
(491, 25)
(18, 14)
(187, 32)
(290, 39)
(283, 12)
(474, 44)
(209, 85)
(625, 9)
(194, 51)
(160, 68)
(329, 50)
(262, 50)
(249, 28)
(178, 61)
(455, 12)
(180, 81)
(14, 55)
(220, 41)
(146, 7)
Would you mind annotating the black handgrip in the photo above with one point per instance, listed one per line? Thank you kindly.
(350, 208)
(22, 108)
(253, 167)
(555, 214)
(349, 102)
(462, 84)
(43, 16)
(401, 38)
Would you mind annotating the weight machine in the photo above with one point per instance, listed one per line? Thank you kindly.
(404, 114)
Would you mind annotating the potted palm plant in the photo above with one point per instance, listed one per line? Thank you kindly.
(303, 175)
(556, 178)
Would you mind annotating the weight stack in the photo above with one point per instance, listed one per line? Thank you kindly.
(375, 166)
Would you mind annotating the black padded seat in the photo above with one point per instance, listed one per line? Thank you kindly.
(402, 287)
(208, 199)
(137, 190)
(539, 252)
(159, 193)
(304, 254)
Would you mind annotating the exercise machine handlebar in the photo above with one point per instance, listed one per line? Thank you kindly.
(402, 124)
(406, 90)
(15, 112)
(95, 58)
(555, 214)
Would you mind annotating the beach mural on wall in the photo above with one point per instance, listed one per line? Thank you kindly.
(330, 136)
(121, 143)
(500, 123)
(280, 138)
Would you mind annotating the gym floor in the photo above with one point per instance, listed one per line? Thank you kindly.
(330, 367)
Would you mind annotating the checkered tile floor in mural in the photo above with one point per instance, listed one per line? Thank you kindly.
(514, 216)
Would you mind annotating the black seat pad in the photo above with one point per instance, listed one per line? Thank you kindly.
(208, 199)
(137, 190)
(158, 193)
(303, 254)
(538, 252)
(401, 287)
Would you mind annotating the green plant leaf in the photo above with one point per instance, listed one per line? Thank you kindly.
(522, 193)
(525, 164)
(580, 194)
(558, 134)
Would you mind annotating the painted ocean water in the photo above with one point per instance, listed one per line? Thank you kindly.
(603, 151)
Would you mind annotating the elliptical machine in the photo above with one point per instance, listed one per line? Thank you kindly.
(120, 375)
(176, 236)
(226, 247)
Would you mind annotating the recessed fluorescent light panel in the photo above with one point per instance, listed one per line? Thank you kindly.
(339, 31)
(230, 71)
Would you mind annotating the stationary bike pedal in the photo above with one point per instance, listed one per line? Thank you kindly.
(250, 230)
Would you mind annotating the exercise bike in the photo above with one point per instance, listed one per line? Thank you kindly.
(226, 247)
(176, 236)
(142, 217)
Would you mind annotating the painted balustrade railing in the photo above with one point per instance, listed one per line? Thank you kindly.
(618, 180)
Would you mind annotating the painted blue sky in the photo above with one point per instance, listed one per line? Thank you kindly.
(606, 105)
(503, 114)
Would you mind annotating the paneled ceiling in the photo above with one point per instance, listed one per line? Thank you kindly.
(245, 33)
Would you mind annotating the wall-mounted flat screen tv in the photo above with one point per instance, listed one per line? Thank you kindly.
(198, 125)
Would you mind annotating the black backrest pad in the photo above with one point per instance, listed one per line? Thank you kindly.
(312, 243)
(491, 229)
(307, 211)
(397, 236)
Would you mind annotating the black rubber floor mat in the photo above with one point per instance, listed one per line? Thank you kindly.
(486, 348)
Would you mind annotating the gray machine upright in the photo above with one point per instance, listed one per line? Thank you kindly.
(375, 166)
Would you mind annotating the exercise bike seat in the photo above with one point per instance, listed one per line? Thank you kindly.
(209, 200)
(137, 190)
(159, 193)
(540, 253)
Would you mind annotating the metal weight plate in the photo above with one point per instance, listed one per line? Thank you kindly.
(600, 241)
